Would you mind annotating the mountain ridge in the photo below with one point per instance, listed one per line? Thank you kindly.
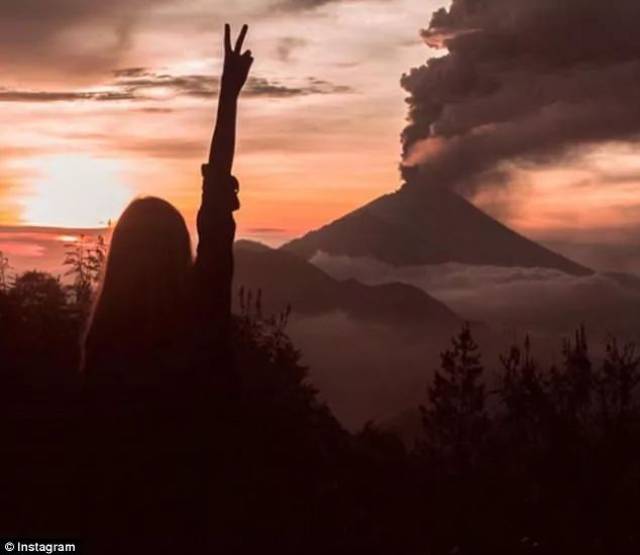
(287, 279)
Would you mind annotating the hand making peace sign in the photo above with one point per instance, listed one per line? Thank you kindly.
(236, 63)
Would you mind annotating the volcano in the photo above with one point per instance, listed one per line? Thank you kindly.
(420, 225)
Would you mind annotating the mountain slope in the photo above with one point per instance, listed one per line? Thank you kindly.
(369, 348)
(428, 225)
(287, 279)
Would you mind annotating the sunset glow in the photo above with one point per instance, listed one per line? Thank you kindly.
(326, 276)
(93, 120)
(76, 191)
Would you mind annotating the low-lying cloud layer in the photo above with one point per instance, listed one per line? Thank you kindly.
(535, 300)
(524, 81)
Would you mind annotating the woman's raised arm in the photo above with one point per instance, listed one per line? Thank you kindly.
(234, 75)
(216, 227)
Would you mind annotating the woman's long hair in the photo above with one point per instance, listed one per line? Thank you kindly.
(142, 299)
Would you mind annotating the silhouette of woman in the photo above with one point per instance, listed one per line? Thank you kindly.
(156, 350)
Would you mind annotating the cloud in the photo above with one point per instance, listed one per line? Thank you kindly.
(154, 110)
(162, 147)
(538, 300)
(287, 45)
(33, 32)
(137, 81)
(258, 86)
(623, 256)
(131, 72)
(304, 5)
(51, 96)
(301, 5)
(140, 84)
(267, 230)
(530, 82)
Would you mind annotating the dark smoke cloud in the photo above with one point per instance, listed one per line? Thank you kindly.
(524, 81)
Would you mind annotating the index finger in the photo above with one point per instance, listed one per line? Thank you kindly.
(227, 38)
(243, 33)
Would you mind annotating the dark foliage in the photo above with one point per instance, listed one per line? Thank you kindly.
(555, 466)
(84, 259)
(455, 419)
(543, 461)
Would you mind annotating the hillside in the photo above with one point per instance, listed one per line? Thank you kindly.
(287, 279)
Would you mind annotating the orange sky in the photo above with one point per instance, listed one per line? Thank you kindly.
(319, 126)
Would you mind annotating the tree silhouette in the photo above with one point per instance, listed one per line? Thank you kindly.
(284, 448)
(38, 293)
(455, 420)
(40, 333)
(5, 267)
(85, 258)
(268, 361)
(616, 384)
(554, 462)
(523, 393)
(572, 386)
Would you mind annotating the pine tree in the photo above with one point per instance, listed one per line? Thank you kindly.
(572, 386)
(523, 393)
(455, 419)
(616, 384)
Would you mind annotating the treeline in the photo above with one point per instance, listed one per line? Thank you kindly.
(525, 460)
(546, 461)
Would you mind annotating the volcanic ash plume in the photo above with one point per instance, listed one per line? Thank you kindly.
(524, 82)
